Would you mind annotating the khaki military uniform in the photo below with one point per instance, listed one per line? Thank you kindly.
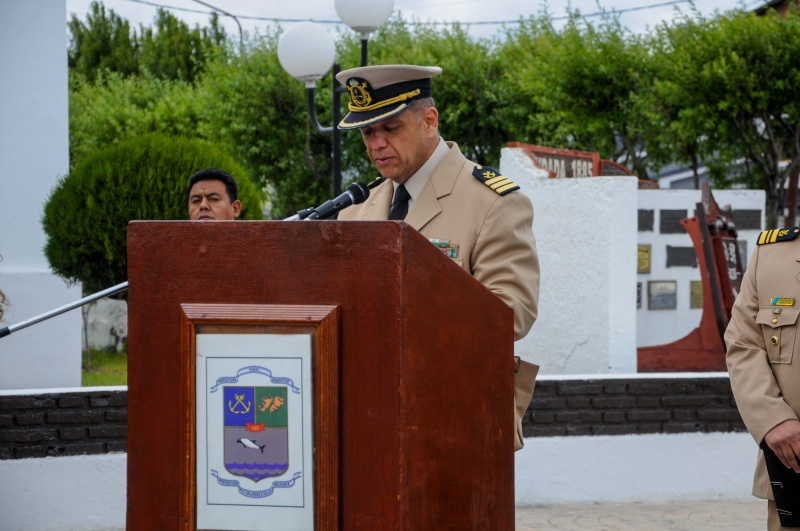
(493, 235)
(763, 341)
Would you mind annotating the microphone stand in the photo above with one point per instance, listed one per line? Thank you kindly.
(301, 215)
(67, 307)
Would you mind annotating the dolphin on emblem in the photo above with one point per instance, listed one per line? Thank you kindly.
(252, 445)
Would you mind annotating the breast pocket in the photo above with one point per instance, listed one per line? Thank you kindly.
(780, 332)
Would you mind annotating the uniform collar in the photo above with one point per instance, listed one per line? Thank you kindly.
(417, 182)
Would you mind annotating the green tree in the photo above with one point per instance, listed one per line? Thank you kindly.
(728, 86)
(116, 108)
(104, 42)
(518, 88)
(169, 49)
(580, 80)
(144, 178)
(252, 105)
(172, 50)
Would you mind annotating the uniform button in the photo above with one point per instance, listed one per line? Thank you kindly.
(775, 321)
(775, 340)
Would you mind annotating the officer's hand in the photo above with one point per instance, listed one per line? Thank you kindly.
(784, 440)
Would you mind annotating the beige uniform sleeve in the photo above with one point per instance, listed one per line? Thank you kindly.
(757, 394)
(504, 258)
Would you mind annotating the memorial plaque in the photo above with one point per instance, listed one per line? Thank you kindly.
(747, 219)
(646, 220)
(681, 256)
(662, 295)
(696, 294)
(562, 163)
(644, 254)
(670, 221)
(638, 295)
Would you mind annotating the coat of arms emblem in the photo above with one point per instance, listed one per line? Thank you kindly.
(256, 431)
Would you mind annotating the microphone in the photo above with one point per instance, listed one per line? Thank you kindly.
(301, 214)
(355, 194)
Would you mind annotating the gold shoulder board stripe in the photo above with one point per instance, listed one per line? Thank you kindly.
(778, 235)
(494, 180)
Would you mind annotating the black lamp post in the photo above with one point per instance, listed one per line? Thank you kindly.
(306, 51)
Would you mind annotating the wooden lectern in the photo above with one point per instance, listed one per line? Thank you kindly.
(424, 434)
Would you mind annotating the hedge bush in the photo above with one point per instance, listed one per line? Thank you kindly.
(144, 178)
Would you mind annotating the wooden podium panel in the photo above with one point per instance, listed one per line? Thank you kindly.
(426, 390)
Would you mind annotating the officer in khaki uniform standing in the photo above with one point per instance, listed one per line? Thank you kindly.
(764, 354)
(477, 217)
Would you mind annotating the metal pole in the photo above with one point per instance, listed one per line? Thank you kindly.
(312, 112)
(58, 311)
(336, 147)
(338, 88)
(364, 41)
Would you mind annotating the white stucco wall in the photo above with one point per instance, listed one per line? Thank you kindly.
(34, 144)
(586, 237)
(634, 468)
(86, 493)
(657, 327)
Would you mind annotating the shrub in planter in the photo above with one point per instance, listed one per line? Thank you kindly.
(86, 216)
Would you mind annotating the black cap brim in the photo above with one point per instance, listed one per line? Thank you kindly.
(357, 120)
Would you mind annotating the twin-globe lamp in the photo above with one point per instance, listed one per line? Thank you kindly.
(306, 51)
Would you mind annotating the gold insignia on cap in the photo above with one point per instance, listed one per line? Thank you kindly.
(494, 180)
(359, 92)
(778, 235)
(384, 103)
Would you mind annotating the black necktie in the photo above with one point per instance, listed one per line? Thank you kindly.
(400, 204)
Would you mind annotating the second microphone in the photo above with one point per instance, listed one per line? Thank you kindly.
(355, 194)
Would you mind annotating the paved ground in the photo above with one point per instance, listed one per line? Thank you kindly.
(738, 515)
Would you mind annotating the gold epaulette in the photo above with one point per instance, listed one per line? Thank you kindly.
(778, 235)
(494, 180)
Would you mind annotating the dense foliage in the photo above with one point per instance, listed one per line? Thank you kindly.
(727, 91)
(700, 90)
(170, 49)
(87, 214)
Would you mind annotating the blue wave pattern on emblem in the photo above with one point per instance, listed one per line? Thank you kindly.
(256, 493)
(255, 369)
(257, 471)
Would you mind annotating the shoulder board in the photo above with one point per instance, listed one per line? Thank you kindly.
(778, 235)
(491, 178)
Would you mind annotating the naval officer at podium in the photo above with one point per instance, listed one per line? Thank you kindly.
(477, 217)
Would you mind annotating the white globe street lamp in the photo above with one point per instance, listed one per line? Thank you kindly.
(364, 16)
(306, 51)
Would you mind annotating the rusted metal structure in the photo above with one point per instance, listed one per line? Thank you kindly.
(713, 234)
